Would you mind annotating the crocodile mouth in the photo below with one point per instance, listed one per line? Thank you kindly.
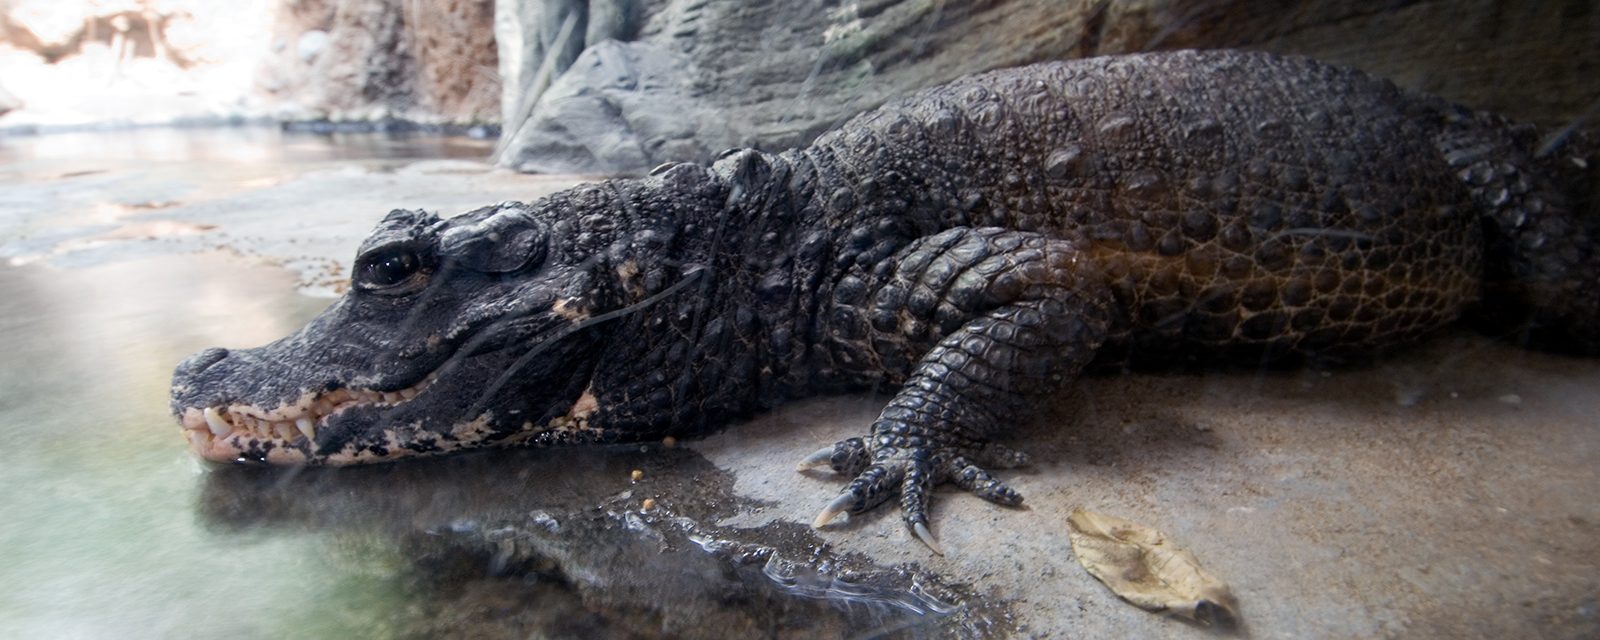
(286, 434)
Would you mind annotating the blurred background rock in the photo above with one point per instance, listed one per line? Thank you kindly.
(621, 85)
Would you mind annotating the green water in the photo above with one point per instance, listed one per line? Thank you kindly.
(100, 531)
(121, 254)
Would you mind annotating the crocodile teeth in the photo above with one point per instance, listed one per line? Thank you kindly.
(293, 420)
(219, 426)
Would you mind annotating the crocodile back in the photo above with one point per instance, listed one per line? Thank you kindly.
(1232, 199)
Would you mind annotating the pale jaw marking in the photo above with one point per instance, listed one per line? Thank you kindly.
(223, 433)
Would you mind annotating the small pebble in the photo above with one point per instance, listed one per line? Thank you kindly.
(649, 504)
(637, 475)
(1511, 398)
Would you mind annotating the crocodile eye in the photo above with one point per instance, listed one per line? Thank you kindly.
(388, 269)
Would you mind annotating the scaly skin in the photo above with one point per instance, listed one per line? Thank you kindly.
(974, 247)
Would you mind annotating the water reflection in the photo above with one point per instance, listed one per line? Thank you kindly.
(99, 537)
(255, 145)
(559, 539)
(111, 529)
(303, 200)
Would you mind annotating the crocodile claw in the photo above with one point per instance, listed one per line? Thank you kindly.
(816, 459)
(846, 457)
(842, 503)
(912, 473)
(927, 538)
(838, 506)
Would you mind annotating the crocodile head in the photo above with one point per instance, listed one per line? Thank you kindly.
(480, 330)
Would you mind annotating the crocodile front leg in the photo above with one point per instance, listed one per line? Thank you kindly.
(991, 318)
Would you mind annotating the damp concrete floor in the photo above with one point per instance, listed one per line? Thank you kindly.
(1452, 490)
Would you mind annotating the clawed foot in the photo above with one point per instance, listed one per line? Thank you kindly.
(912, 472)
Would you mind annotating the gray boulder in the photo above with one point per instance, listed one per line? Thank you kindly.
(616, 109)
(622, 85)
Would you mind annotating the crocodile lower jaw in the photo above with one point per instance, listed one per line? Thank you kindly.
(286, 432)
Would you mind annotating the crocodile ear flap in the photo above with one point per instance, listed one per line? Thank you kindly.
(502, 239)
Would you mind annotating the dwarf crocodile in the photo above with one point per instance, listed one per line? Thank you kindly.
(968, 249)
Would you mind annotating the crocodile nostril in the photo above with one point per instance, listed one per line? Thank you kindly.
(200, 361)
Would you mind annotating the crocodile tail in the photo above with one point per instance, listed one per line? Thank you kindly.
(1538, 195)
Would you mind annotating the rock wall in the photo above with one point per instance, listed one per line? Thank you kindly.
(621, 85)
(63, 29)
(76, 64)
(380, 59)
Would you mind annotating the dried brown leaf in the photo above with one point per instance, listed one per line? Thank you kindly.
(1141, 566)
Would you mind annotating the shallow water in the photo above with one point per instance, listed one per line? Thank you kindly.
(257, 145)
(112, 529)
(101, 533)
(104, 527)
